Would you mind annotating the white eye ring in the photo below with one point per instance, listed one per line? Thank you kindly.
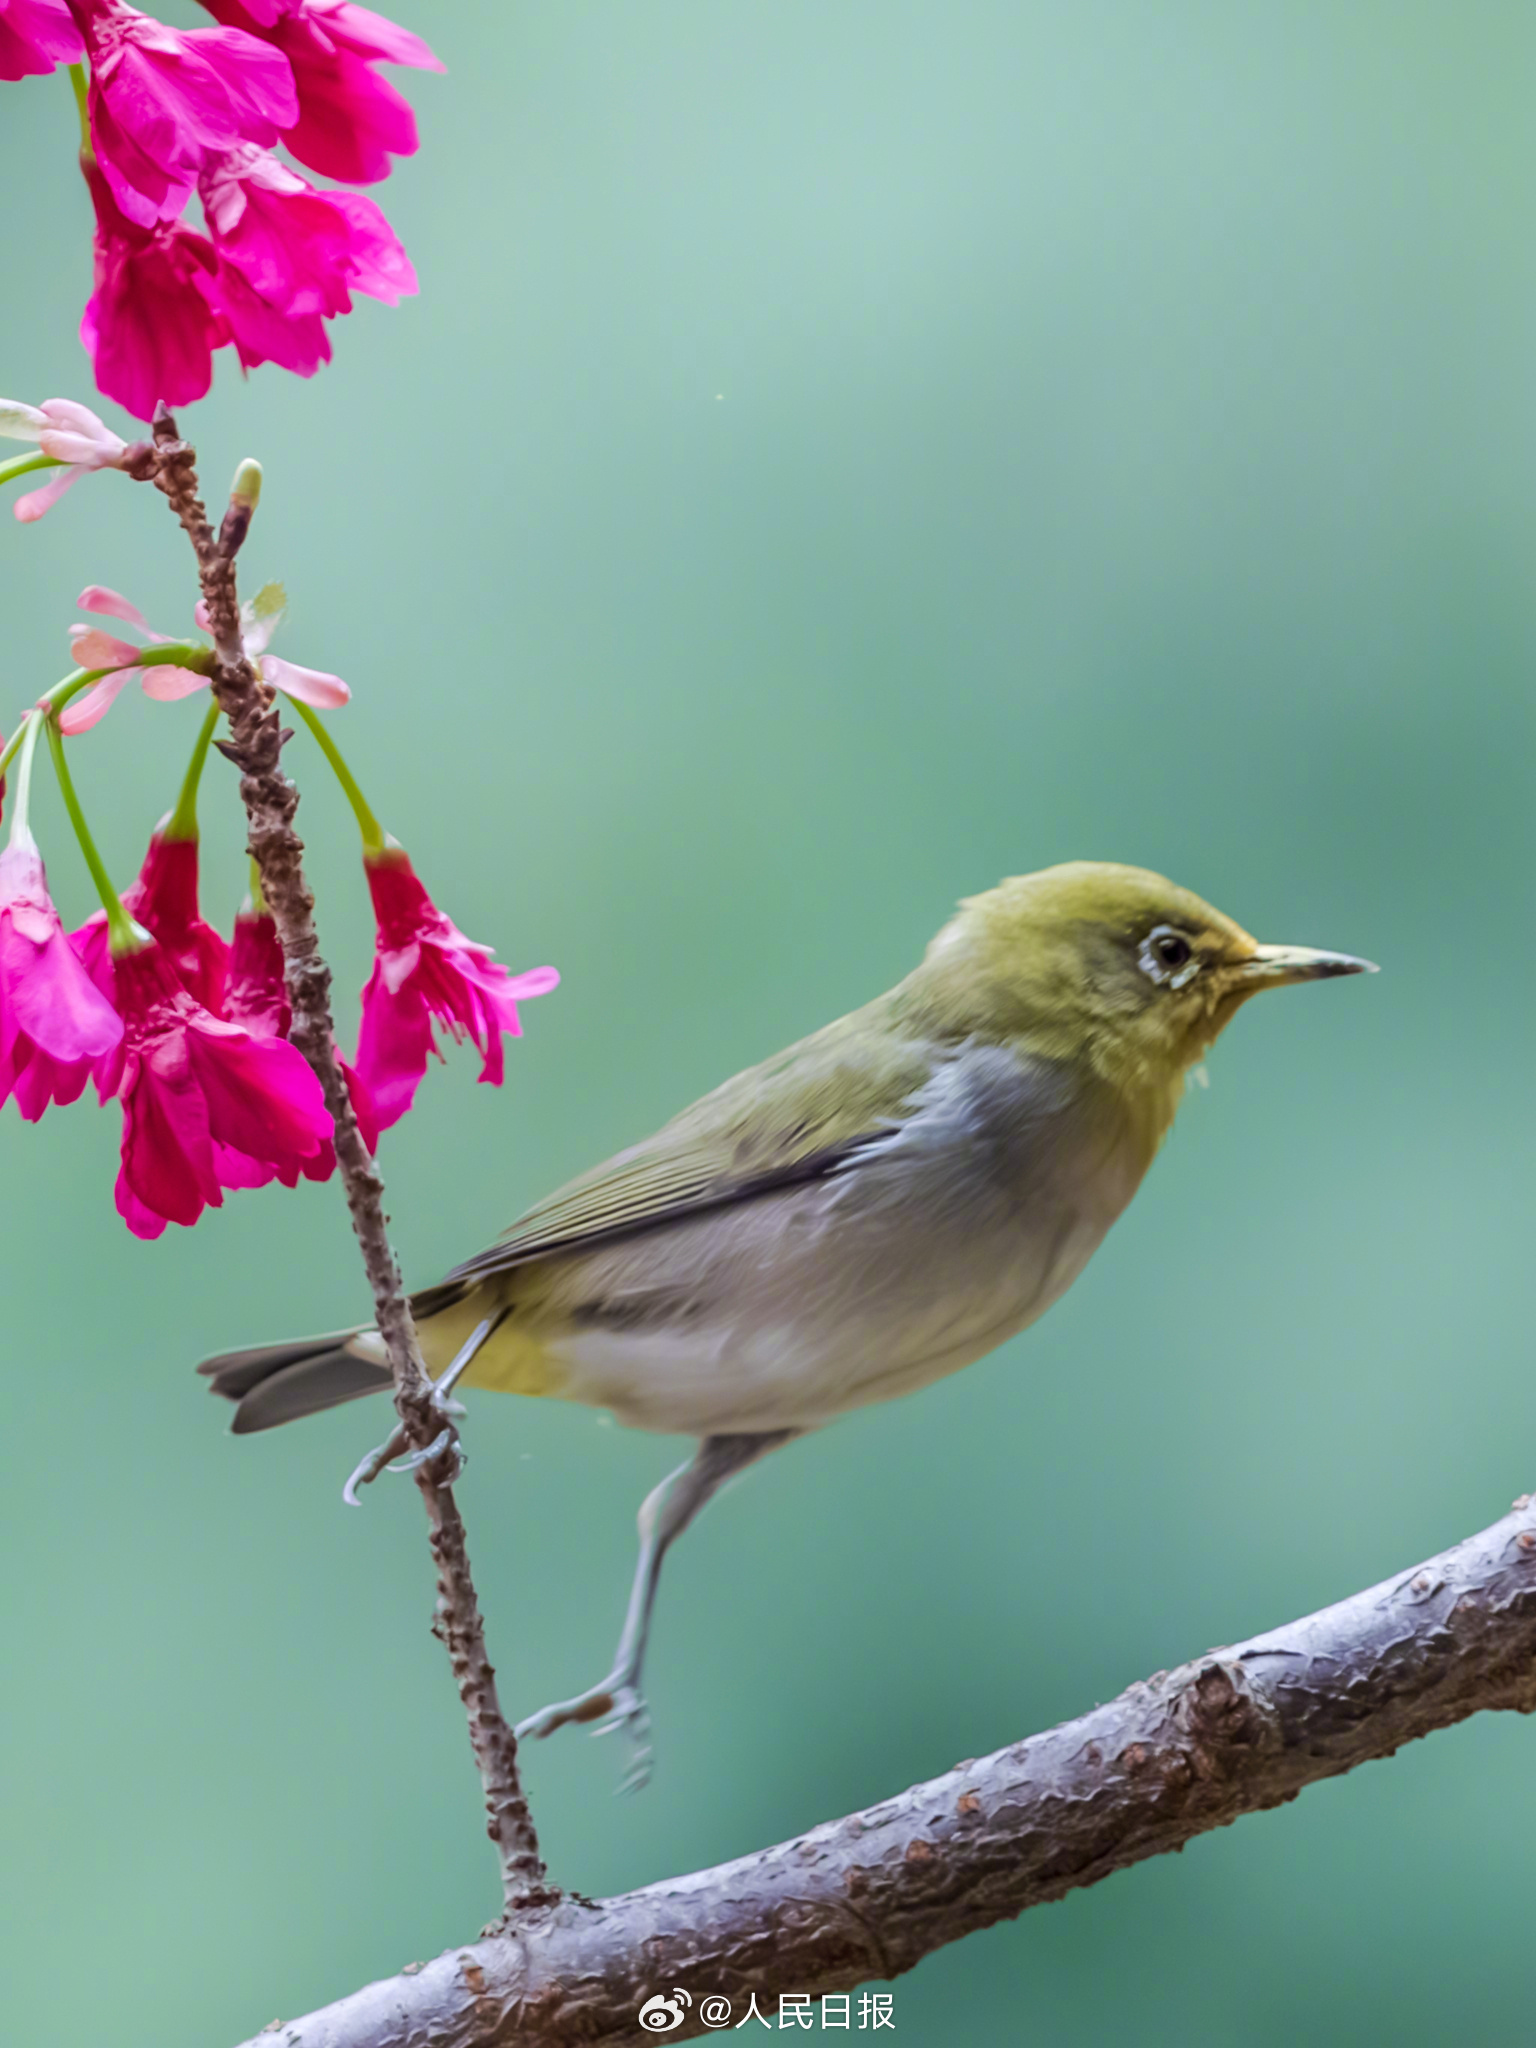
(1176, 973)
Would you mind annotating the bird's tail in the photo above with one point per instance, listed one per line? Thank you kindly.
(273, 1383)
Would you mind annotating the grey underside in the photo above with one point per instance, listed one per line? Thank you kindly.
(914, 1253)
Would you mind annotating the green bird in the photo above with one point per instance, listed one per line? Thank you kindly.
(879, 1205)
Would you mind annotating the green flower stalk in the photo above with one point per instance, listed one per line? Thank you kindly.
(124, 935)
(22, 748)
(182, 823)
(375, 838)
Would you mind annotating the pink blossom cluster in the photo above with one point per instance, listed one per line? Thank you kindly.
(175, 115)
(189, 1032)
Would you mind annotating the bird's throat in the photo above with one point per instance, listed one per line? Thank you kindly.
(1147, 1082)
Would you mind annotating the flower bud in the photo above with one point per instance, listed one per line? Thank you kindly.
(246, 488)
(244, 496)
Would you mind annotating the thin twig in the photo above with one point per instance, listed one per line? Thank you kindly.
(1232, 1733)
(271, 799)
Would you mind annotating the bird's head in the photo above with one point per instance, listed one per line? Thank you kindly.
(1109, 963)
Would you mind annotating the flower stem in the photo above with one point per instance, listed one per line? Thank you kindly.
(177, 654)
(258, 897)
(77, 79)
(174, 654)
(182, 823)
(14, 746)
(26, 746)
(20, 465)
(58, 697)
(124, 934)
(375, 839)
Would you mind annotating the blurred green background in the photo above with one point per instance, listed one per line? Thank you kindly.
(840, 455)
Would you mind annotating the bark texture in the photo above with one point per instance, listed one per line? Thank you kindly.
(1238, 1730)
(255, 744)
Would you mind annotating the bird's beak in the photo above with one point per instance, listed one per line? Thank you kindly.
(1276, 966)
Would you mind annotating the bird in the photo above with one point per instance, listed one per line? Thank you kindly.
(877, 1206)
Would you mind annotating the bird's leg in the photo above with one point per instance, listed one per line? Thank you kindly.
(665, 1513)
(443, 1405)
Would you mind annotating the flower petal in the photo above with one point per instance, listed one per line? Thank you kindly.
(426, 973)
(168, 684)
(376, 38)
(260, 617)
(535, 981)
(393, 1047)
(238, 1170)
(35, 503)
(255, 994)
(309, 685)
(379, 265)
(20, 422)
(148, 326)
(163, 898)
(110, 604)
(90, 709)
(76, 448)
(94, 649)
(261, 1094)
(69, 412)
(140, 1219)
(36, 36)
(75, 434)
(41, 1080)
(167, 1150)
(55, 1023)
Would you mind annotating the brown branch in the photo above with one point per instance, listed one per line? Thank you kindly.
(1234, 1732)
(271, 800)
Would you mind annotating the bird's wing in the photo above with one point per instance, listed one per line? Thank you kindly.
(796, 1117)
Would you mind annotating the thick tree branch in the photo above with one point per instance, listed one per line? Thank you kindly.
(271, 800)
(1236, 1731)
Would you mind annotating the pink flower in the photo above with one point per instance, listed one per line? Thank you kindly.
(76, 435)
(164, 900)
(256, 995)
(71, 434)
(36, 36)
(425, 968)
(261, 334)
(256, 987)
(149, 326)
(289, 258)
(205, 1105)
(350, 121)
(300, 250)
(163, 99)
(260, 618)
(54, 1024)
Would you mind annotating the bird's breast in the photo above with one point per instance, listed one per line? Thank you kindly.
(938, 1240)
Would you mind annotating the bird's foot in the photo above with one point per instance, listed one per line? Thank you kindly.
(385, 1457)
(619, 1705)
(445, 1444)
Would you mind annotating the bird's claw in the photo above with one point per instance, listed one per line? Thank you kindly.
(385, 1457)
(368, 1469)
(446, 1443)
(618, 1706)
(447, 1439)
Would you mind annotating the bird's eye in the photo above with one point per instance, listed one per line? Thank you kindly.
(1168, 957)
